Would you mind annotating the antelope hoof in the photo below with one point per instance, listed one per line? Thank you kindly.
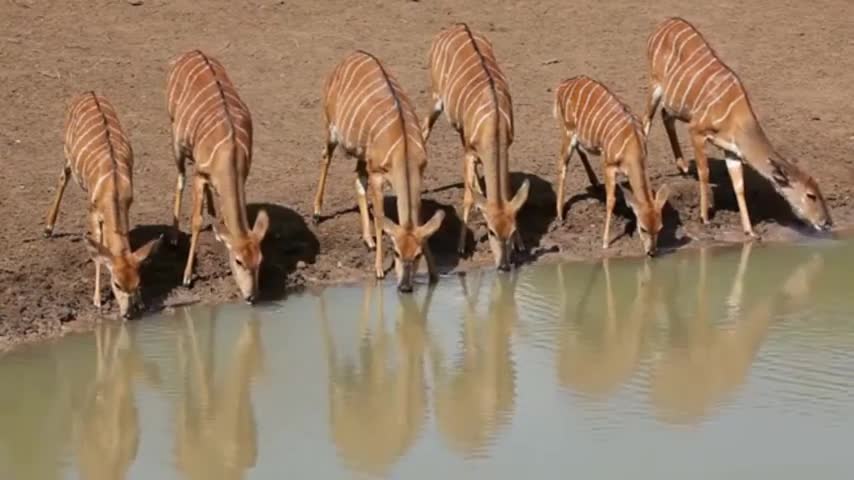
(315, 219)
(369, 243)
(380, 274)
(96, 302)
(750, 234)
(605, 244)
(188, 281)
(48, 231)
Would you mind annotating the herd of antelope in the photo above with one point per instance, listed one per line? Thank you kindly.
(368, 113)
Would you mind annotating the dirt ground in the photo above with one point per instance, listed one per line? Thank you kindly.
(796, 60)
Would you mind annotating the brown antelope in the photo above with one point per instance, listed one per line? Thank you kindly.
(366, 111)
(593, 120)
(212, 128)
(468, 85)
(99, 156)
(692, 84)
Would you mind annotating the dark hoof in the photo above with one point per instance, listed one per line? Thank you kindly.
(316, 219)
(48, 232)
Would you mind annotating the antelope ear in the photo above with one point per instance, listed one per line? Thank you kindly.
(777, 173)
(100, 254)
(389, 226)
(629, 196)
(521, 196)
(262, 222)
(429, 228)
(144, 252)
(661, 197)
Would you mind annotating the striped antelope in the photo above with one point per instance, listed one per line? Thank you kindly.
(366, 110)
(468, 85)
(99, 156)
(692, 84)
(593, 120)
(212, 128)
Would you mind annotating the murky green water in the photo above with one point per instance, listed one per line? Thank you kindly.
(719, 364)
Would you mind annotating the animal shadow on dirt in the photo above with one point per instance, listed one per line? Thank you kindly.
(288, 242)
(163, 270)
(536, 215)
(443, 243)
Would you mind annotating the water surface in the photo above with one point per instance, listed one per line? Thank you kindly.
(719, 363)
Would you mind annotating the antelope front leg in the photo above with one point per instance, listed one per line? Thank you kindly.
(652, 103)
(328, 150)
(379, 214)
(669, 122)
(736, 174)
(702, 174)
(432, 272)
(180, 163)
(196, 227)
(99, 229)
(468, 198)
(362, 200)
(610, 186)
(54, 211)
(567, 147)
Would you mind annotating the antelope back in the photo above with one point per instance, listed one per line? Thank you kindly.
(467, 80)
(99, 154)
(209, 119)
(695, 85)
(600, 121)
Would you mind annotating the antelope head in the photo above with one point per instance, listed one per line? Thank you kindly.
(244, 255)
(408, 245)
(501, 223)
(802, 193)
(649, 219)
(124, 272)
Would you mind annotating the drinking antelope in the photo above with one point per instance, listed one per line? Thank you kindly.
(212, 128)
(468, 85)
(366, 110)
(696, 87)
(99, 156)
(593, 120)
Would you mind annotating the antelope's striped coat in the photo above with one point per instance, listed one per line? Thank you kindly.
(599, 121)
(100, 156)
(694, 84)
(370, 115)
(209, 119)
(469, 82)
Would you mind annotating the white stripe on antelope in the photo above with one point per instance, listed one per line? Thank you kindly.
(692, 84)
(368, 113)
(468, 85)
(99, 156)
(593, 120)
(212, 128)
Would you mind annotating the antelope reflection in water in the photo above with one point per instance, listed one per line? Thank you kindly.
(106, 425)
(596, 355)
(476, 397)
(703, 363)
(216, 434)
(377, 402)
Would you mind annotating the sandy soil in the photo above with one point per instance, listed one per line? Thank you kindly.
(796, 60)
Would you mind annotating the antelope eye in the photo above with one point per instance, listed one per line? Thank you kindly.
(811, 196)
(396, 254)
(492, 233)
(644, 230)
(239, 263)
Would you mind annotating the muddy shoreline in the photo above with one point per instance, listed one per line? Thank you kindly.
(277, 56)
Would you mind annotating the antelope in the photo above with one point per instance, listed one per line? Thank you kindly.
(469, 86)
(367, 111)
(100, 158)
(693, 85)
(594, 120)
(212, 129)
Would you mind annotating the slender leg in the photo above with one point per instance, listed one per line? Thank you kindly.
(736, 174)
(328, 150)
(591, 175)
(362, 200)
(610, 186)
(670, 126)
(99, 230)
(377, 190)
(566, 148)
(431, 263)
(427, 124)
(702, 174)
(54, 211)
(180, 163)
(196, 226)
(654, 99)
(468, 198)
